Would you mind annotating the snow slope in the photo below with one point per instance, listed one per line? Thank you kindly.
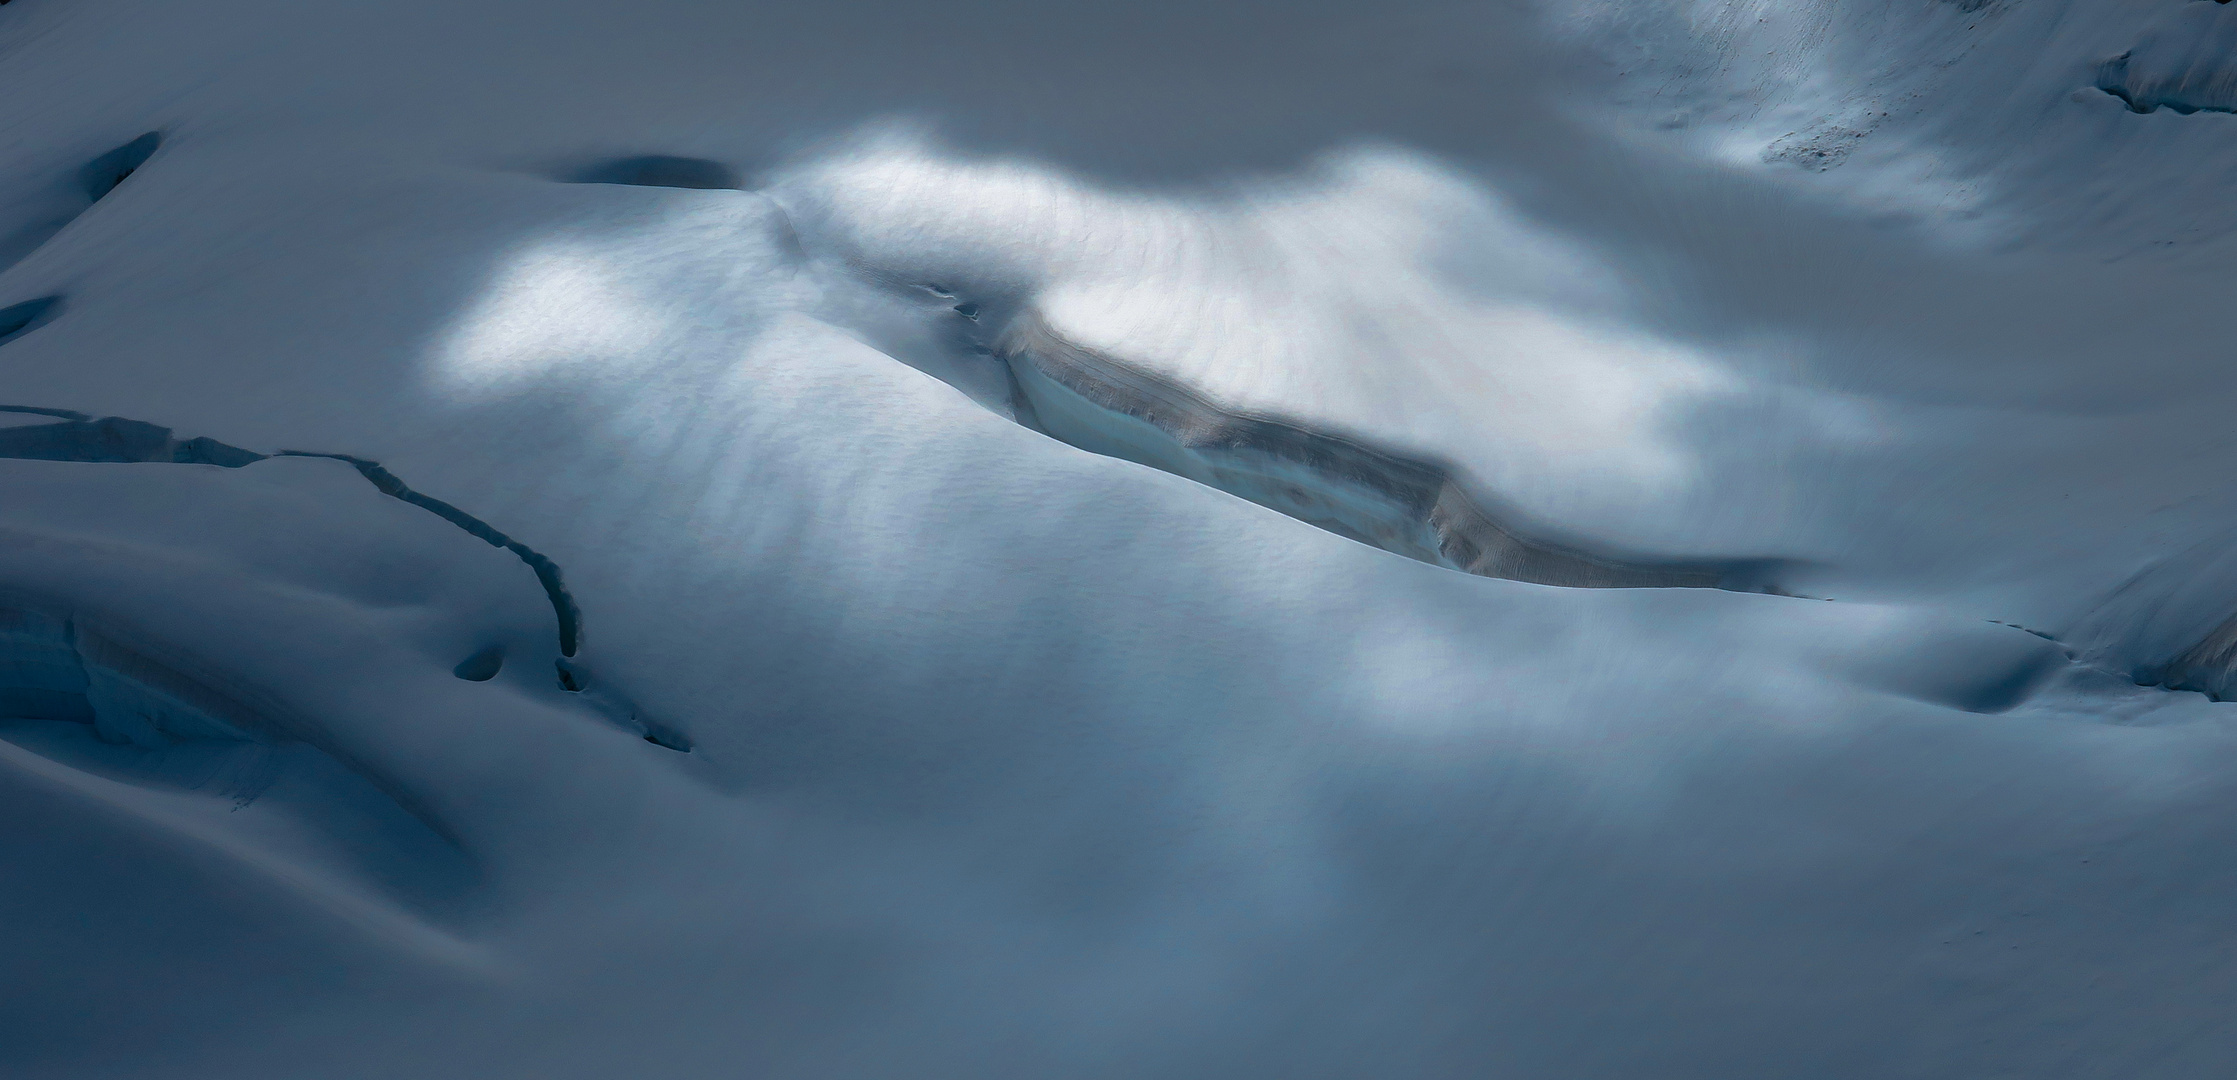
(683, 539)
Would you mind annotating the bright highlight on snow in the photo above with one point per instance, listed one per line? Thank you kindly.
(1562, 539)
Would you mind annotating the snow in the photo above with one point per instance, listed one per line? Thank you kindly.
(1003, 462)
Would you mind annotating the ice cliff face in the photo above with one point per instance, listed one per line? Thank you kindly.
(2181, 61)
(1585, 540)
(1414, 507)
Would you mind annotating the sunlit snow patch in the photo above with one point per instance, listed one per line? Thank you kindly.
(1379, 347)
(556, 306)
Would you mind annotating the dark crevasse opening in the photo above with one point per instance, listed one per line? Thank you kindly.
(15, 319)
(101, 176)
(482, 666)
(661, 170)
(547, 571)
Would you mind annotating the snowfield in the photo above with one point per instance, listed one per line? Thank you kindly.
(686, 539)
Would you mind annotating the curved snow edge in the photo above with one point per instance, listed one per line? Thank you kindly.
(79, 437)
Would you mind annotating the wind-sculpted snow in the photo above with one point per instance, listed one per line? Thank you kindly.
(980, 436)
(1378, 296)
(2005, 122)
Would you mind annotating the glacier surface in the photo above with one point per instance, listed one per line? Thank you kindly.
(1531, 539)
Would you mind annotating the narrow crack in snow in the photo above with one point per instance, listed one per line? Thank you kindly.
(76, 436)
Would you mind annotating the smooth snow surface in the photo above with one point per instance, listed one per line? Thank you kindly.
(1575, 539)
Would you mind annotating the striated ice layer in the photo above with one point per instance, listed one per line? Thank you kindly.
(1406, 505)
(51, 669)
